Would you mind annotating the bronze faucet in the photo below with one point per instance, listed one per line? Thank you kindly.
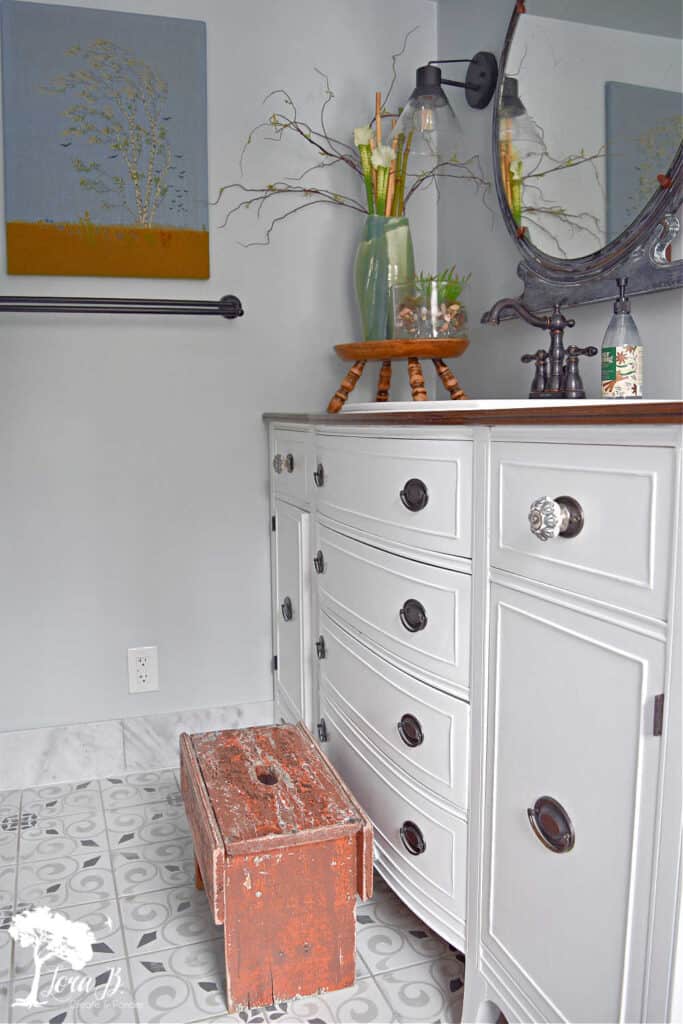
(551, 379)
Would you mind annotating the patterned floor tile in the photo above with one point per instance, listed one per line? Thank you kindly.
(4, 1000)
(5, 949)
(364, 1001)
(9, 801)
(66, 798)
(154, 866)
(173, 917)
(138, 788)
(66, 881)
(107, 943)
(426, 992)
(49, 837)
(97, 992)
(8, 875)
(180, 985)
(390, 936)
(147, 823)
(10, 825)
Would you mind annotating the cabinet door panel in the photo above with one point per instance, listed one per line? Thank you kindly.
(292, 606)
(570, 717)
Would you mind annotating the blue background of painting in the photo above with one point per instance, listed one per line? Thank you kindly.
(40, 180)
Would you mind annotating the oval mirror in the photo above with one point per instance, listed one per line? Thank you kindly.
(587, 143)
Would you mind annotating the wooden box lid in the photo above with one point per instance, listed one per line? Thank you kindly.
(271, 786)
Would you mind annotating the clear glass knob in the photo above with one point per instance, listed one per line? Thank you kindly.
(555, 517)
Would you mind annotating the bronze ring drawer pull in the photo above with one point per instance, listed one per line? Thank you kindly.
(412, 838)
(410, 731)
(413, 616)
(289, 463)
(287, 610)
(319, 475)
(414, 495)
(551, 824)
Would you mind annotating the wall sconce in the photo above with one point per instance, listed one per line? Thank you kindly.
(520, 140)
(429, 115)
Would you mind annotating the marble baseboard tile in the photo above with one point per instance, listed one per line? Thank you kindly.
(91, 750)
(35, 757)
(152, 740)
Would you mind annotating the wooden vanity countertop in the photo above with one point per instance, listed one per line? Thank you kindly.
(611, 411)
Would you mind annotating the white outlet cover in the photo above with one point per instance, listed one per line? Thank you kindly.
(143, 669)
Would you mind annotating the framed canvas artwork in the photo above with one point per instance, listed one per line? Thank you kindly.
(105, 144)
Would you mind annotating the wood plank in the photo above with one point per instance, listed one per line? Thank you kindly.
(401, 348)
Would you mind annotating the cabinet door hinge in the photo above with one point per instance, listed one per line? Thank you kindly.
(273, 525)
(658, 717)
(274, 663)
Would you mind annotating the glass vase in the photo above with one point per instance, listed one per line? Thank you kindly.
(384, 258)
(428, 309)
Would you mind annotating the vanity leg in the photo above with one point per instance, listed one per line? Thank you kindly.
(198, 880)
(384, 381)
(346, 386)
(417, 381)
(449, 380)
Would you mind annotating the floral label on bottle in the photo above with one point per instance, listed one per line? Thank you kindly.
(622, 371)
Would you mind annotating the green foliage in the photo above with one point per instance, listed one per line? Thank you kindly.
(450, 284)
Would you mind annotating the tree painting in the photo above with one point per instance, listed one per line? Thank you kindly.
(52, 936)
(121, 109)
(105, 142)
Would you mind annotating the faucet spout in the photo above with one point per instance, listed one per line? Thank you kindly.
(494, 314)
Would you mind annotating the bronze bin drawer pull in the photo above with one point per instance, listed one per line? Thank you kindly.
(413, 616)
(287, 609)
(552, 825)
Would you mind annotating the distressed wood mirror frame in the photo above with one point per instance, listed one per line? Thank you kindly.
(638, 253)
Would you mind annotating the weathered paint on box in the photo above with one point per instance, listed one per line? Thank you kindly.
(282, 848)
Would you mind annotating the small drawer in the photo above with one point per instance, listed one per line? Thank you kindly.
(425, 844)
(626, 495)
(412, 492)
(291, 464)
(421, 730)
(418, 613)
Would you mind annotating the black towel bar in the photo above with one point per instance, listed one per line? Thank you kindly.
(229, 306)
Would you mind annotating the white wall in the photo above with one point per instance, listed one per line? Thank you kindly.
(476, 238)
(133, 474)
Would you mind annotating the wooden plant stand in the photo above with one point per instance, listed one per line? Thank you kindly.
(361, 352)
(282, 848)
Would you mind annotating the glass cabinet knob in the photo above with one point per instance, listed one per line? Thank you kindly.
(555, 517)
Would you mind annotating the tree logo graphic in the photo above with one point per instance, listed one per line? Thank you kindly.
(51, 935)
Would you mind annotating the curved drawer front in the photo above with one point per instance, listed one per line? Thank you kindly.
(385, 597)
(423, 731)
(291, 465)
(437, 875)
(364, 478)
(627, 498)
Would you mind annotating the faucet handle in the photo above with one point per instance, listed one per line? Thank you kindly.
(557, 312)
(589, 350)
(539, 356)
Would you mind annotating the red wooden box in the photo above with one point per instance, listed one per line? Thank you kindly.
(282, 848)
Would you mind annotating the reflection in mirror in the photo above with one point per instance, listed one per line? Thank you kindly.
(590, 114)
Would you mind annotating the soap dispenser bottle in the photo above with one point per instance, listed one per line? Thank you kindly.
(622, 352)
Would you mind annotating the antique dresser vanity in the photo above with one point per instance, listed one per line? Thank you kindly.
(501, 693)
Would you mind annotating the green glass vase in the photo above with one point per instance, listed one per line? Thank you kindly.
(384, 258)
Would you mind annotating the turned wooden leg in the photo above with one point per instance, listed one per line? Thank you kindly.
(198, 880)
(449, 380)
(384, 382)
(346, 386)
(417, 381)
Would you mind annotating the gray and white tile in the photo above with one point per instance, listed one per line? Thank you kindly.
(147, 823)
(37, 757)
(66, 881)
(137, 788)
(107, 943)
(154, 866)
(152, 740)
(63, 798)
(9, 801)
(50, 837)
(170, 917)
(181, 984)
(363, 1001)
(4, 1000)
(426, 992)
(11, 825)
(390, 936)
(96, 992)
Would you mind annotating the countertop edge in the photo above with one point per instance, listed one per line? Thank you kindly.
(647, 412)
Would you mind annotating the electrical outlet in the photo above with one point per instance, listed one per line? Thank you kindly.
(143, 669)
